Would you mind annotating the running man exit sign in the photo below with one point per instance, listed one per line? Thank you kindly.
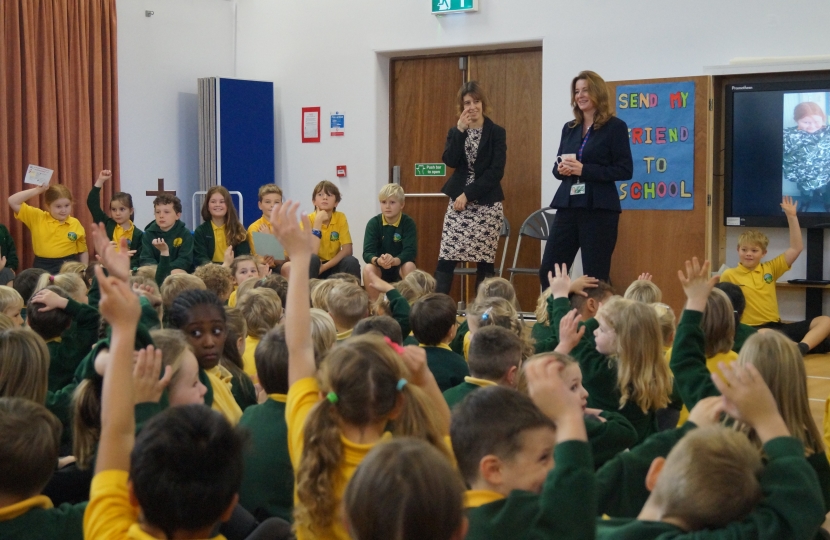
(441, 7)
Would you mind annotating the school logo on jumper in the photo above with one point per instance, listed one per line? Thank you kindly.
(72, 236)
(335, 236)
(767, 278)
(129, 242)
(396, 237)
(177, 242)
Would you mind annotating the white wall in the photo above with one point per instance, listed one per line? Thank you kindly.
(159, 60)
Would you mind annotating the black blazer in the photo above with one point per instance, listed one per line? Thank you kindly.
(489, 164)
(605, 159)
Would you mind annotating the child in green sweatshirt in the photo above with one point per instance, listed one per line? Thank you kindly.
(167, 230)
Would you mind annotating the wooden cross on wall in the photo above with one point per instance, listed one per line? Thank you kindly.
(160, 190)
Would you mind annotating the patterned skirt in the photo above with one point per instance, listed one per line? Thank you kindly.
(471, 235)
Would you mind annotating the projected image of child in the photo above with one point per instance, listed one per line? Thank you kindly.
(807, 156)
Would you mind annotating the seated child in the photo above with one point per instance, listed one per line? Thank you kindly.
(736, 296)
(347, 303)
(25, 284)
(221, 236)
(270, 196)
(496, 311)
(262, 310)
(415, 284)
(275, 282)
(426, 500)
(268, 483)
(495, 357)
(72, 284)
(50, 313)
(390, 243)
(492, 287)
(383, 325)
(217, 278)
(29, 441)
(8, 257)
(757, 280)
(56, 236)
(242, 386)
(323, 333)
(643, 290)
(332, 229)
(175, 285)
(434, 325)
(184, 387)
(243, 268)
(320, 292)
(506, 447)
(11, 304)
(120, 225)
(586, 295)
(167, 241)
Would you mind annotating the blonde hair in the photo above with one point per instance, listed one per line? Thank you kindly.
(217, 278)
(320, 293)
(496, 311)
(173, 345)
(753, 239)
(73, 267)
(235, 323)
(710, 479)
(599, 95)
(323, 333)
(86, 421)
(267, 189)
(148, 271)
(642, 374)
(643, 290)
(718, 324)
(262, 310)
(6, 323)
(781, 365)
(24, 365)
(176, 284)
(73, 284)
(542, 307)
(415, 285)
(381, 305)
(244, 288)
(666, 318)
(498, 287)
(10, 298)
(348, 303)
(392, 191)
(363, 373)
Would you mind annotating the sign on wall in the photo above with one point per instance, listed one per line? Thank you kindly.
(661, 129)
(441, 7)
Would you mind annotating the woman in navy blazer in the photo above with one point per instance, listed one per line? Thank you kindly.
(477, 149)
(587, 204)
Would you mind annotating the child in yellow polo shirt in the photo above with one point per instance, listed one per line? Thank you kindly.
(57, 237)
(332, 230)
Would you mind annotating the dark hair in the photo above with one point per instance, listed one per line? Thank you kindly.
(48, 324)
(89, 273)
(186, 467)
(404, 489)
(188, 301)
(432, 317)
(26, 281)
(329, 188)
(166, 198)
(493, 351)
(736, 296)
(598, 293)
(30, 438)
(491, 421)
(276, 282)
(126, 199)
(271, 357)
(475, 90)
(380, 324)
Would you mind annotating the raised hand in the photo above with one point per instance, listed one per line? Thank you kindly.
(697, 284)
(463, 121)
(286, 228)
(550, 393)
(789, 206)
(227, 257)
(645, 276)
(161, 245)
(581, 283)
(149, 293)
(707, 411)
(746, 397)
(569, 332)
(147, 385)
(118, 305)
(560, 284)
(115, 259)
(50, 300)
(103, 177)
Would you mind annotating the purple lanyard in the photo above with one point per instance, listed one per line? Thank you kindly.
(584, 142)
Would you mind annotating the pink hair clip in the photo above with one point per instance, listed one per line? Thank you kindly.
(395, 347)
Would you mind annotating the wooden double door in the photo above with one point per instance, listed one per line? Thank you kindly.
(423, 108)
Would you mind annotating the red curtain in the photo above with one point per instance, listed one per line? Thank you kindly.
(58, 101)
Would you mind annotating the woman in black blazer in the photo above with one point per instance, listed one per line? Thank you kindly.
(477, 149)
(593, 154)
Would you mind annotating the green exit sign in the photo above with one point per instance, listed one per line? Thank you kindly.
(430, 169)
(441, 7)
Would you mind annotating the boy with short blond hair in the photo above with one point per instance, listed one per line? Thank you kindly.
(347, 304)
(167, 241)
(175, 285)
(757, 281)
(262, 310)
(390, 243)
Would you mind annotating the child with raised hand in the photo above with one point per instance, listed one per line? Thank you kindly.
(167, 242)
(367, 385)
(221, 236)
(644, 290)
(586, 295)
(713, 484)
(165, 465)
(626, 371)
(57, 237)
(119, 225)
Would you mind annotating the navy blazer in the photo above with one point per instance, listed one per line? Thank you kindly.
(489, 164)
(605, 159)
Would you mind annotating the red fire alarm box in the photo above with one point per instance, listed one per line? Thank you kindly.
(341, 171)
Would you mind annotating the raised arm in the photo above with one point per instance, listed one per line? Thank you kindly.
(796, 242)
(93, 200)
(17, 199)
(298, 242)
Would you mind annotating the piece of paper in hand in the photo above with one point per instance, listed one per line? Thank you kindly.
(39, 176)
(266, 244)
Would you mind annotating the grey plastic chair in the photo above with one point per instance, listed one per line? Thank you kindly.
(536, 226)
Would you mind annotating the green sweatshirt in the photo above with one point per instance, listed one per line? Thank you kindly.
(545, 338)
(399, 310)
(204, 244)
(268, 483)
(180, 241)
(457, 343)
(64, 522)
(791, 508)
(448, 368)
(7, 249)
(564, 510)
(456, 394)
(93, 202)
(65, 355)
(609, 438)
(400, 241)
(742, 333)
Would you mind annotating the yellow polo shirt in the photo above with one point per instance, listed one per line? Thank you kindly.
(220, 243)
(396, 224)
(254, 227)
(120, 232)
(473, 498)
(223, 400)
(712, 365)
(335, 235)
(248, 359)
(758, 286)
(52, 239)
